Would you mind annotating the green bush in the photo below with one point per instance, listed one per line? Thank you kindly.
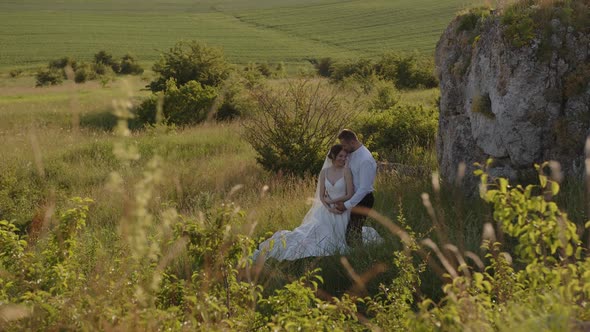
(104, 57)
(407, 72)
(360, 68)
(292, 127)
(106, 60)
(48, 76)
(104, 121)
(524, 20)
(20, 192)
(264, 69)
(397, 128)
(518, 26)
(386, 96)
(13, 246)
(470, 20)
(15, 73)
(100, 69)
(130, 66)
(84, 73)
(281, 70)
(190, 61)
(297, 306)
(228, 111)
(186, 104)
(251, 75)
(62, 63)
(237, 102)
(324, 66)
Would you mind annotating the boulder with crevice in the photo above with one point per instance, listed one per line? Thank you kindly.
(518, 104)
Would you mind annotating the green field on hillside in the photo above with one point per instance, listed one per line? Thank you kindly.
(36, 31)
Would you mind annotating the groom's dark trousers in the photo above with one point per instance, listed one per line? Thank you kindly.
(354, 230)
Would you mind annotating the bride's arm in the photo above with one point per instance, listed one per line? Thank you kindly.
(323, 189)
(349, 188)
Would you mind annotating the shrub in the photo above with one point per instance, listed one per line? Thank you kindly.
(186, 104)
(48, 76)
(251, 75)
(15, 73)
(423, 77)
(106, 59)
(236, 102)
(264, 69)
(281, 70)
(386, 96)
(13, 246)
(297, 305)
(407, 72)
(360, 68)
(190, 61)
(518, 26)
(293, 127)
(324, 66)
(470, 20)
(83, 73)
(102, 70)
(130, 66)
(20, 193)
(104, 121)
(386, 66)
(62, 63)
(228, 111)
(398, 128)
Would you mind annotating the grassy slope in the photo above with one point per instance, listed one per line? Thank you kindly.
(200, 167)
(35, 31)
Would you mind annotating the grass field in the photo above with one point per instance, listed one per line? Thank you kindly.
(53, 149)
(155, 249)
(174, 212)
(36, 31)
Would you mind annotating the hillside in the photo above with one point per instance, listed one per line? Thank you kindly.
(36, 31)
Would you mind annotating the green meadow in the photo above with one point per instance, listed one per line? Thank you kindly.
(37, 31)
(114, 225)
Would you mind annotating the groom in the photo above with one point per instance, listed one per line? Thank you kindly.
(364, 169)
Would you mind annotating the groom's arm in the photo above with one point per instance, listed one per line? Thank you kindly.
(367, 175)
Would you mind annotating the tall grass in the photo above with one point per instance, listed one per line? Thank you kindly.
(198, 169)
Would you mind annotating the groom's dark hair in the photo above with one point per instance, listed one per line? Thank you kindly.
(347, 135)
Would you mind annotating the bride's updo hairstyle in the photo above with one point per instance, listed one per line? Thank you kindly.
(334, 151)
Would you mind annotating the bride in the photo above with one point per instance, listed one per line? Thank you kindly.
(322, 232)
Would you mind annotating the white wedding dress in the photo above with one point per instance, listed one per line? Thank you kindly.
(321, 234)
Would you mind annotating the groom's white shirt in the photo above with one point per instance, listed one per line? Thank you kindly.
(364, 169)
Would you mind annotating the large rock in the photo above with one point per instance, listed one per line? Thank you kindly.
(518, 105)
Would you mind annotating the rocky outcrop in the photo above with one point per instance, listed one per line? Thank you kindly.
(519, 105)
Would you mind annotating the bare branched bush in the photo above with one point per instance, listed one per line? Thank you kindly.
(293, 125)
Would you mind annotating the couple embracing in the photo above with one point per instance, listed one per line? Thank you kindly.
(332, 225)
